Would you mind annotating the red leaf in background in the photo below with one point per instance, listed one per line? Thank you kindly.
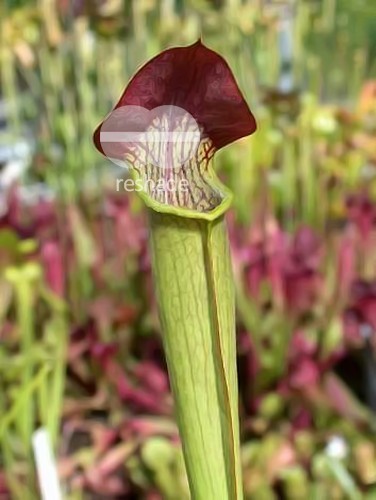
(140, 396)
(305, 373)
(360, 316)
(301, 273)
(28, 220)
(346, 265)
(53, 265)
(262, 256)
(306, 367)
(44, 216)
(130, 229)
(302, 419)
(12, 215)
(153, 495)
(290, 266)
(303, 369)
(362, 212)
(3, 486)
(153, 377)
(197, 80)
(301, 290)
(104, 353)
(305, 250)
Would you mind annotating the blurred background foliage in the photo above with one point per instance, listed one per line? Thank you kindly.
(80, 350)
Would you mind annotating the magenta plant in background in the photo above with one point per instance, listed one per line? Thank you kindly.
(80, 340)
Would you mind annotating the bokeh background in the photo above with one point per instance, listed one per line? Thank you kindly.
(80, 348)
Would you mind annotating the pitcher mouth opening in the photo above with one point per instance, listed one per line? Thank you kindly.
(190, 188)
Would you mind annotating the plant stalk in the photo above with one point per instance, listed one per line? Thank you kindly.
(195, 293)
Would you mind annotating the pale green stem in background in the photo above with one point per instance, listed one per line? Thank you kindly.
(23, 280)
